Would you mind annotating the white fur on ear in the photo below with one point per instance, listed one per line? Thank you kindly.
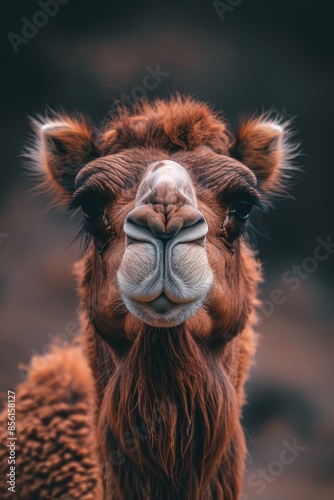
(62, 145)
(273, 126)
(54, 125)
(264, 145)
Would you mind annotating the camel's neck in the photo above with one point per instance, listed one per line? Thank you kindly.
(168, 419)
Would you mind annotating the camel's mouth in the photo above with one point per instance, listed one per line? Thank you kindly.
(162, 312)
(164, 284)
(162, 304)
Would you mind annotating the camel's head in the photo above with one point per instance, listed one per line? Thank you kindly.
(166, 195)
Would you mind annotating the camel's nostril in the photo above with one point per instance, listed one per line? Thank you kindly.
(167, 230)
(187, 224)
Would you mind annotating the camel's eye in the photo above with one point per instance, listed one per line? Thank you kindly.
(91, 209)
(242, 209)
(236, 218)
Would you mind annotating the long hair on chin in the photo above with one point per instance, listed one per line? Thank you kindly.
(168, 415)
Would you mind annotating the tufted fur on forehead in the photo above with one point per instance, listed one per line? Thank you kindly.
(178, 124)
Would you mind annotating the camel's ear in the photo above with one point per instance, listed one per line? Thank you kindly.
(64, 146)
(263, 146)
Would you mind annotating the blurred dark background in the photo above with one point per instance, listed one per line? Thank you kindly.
(261, 55)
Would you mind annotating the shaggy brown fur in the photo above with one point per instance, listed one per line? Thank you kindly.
(56, 445)
(168, 400)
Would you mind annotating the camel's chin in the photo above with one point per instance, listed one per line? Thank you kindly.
(162, 314)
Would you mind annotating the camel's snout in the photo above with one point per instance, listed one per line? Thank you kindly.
(165, 275)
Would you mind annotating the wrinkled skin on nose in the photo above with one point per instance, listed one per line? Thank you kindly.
(166, 201)
(165, 275)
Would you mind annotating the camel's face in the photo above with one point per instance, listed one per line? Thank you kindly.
(165, 209)
(165, 275)
(167, 239)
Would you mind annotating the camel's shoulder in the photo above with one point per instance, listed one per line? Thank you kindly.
(56, 454)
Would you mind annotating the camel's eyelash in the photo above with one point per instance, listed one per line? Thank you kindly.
(238, 189)
(85, 236)
(85, 239)
(251, 196)
(84, 193)
(77, 200)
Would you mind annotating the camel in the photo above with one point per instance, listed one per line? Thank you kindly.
(147, 402)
